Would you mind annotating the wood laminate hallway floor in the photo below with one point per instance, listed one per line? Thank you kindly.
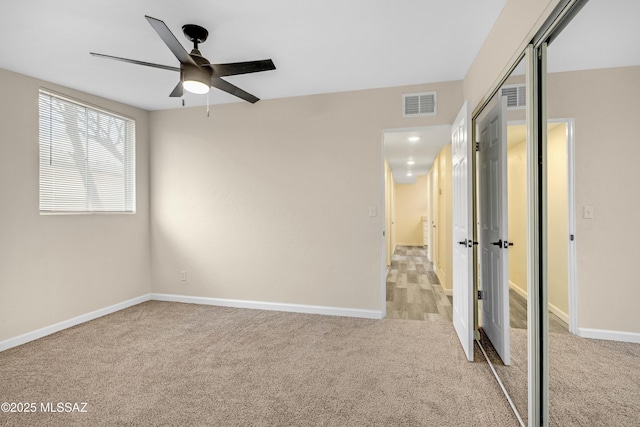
(413, 289)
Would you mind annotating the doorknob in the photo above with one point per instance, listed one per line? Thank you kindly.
(498, 243)
(463, 243)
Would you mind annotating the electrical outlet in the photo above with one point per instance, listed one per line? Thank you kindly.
(183, 275)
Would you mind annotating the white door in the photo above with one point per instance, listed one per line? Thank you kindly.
(462, 174)
(494, 260)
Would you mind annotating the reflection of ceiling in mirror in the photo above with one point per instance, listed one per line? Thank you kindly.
(604, 34)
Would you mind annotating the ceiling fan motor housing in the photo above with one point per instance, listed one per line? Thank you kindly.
(190, 72)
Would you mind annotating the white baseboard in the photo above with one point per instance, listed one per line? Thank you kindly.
(561, 314)
(552, 308)
(448, 292)
(603, 334)
(417, 244)
(518, 289)
(442, 276)
(48, 330)
(292, 308)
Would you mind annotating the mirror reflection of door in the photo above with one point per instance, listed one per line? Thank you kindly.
(494, 240)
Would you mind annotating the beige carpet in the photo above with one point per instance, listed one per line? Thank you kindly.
(591, 382)
(176, 364)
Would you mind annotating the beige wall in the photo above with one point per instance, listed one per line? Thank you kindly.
(410, 207)
(558, 249)
(517, 211)
(443, 232)
(558, 220)
(56, 267)
(445, 235)
(269, 202)
(605, 106)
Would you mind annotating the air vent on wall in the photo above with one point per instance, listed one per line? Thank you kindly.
(419, 104)
(515, 96)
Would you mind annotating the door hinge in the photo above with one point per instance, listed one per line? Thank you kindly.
(482, 294)
(382, 233)
(572, 237)
(477, 146)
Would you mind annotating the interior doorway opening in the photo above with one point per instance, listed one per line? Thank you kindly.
(417, 205)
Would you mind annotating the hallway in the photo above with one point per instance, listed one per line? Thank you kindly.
(413, 289)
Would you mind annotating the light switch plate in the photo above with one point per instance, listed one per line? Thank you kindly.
(373, 211)
(587, 212)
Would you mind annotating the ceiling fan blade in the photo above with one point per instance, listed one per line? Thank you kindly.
(233, 90)
(133, 61)
(170, 40)
(235, 68)
(178, 91)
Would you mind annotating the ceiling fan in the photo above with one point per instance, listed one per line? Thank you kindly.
(197, 74)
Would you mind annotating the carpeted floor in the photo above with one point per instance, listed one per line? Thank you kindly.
(591, 382)
(176, 364)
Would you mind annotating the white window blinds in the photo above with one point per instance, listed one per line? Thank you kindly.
(87, 158)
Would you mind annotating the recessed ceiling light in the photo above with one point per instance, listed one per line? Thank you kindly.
(414, 139)
(409, 173)
(411, 162)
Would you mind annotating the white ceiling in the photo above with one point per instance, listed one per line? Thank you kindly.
(398, 149)
(603, 34)
(318, 47)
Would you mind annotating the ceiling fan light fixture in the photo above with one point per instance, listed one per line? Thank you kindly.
(195, 86)
(196, 80)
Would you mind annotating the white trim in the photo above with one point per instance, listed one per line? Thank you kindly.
(603, 334)
(414, 245)
(517, 289)
(385, 233)
(447, 292)
(260, 305)
(292, 308)
(573, 263)
(57, 327)
(561, 314)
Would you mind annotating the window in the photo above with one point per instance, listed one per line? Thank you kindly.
(87, 158)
